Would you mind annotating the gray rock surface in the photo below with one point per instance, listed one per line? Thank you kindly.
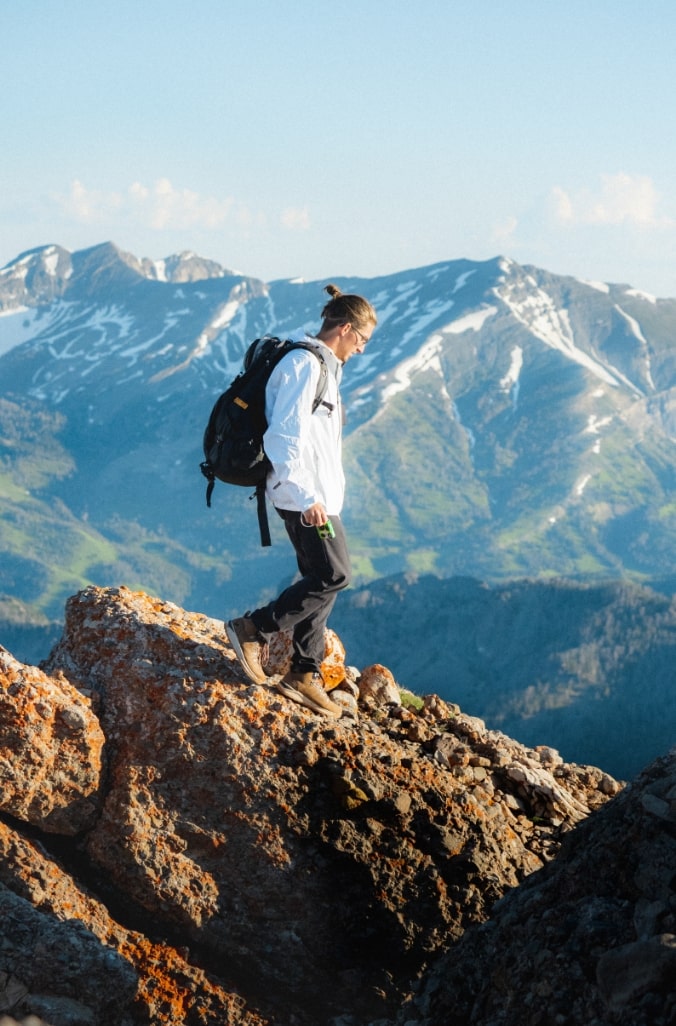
(243, 860)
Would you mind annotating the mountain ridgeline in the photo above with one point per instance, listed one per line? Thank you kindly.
(504, 424)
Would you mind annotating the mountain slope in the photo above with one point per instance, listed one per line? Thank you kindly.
(503, 422)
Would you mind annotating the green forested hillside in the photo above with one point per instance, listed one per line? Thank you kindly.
(589, 669)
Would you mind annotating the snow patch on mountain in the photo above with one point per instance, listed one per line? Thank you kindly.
(433, 311)
(160, 269)
(638, 294)
(473, 321)
(638, 333)
(25, 324)
(106, 317)
(16, 327)
(510, 381)
(539, 314)
(635, 329)
(600, 286)
(17, 270)
(594, 424)
(46, 260)
(427, 358)
(225, 315)
(633, 324)
(51, 262)
(462, 281)
(132, 353)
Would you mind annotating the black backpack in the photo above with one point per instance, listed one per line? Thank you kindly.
(233, 439)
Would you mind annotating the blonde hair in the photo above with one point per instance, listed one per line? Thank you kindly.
(343, 308)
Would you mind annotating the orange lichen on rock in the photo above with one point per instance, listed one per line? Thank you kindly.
(333, 664)
(51, 746)
(258, 831)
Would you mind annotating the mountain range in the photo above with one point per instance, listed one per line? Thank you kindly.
(504, 424)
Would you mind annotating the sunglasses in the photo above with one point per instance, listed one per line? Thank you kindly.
(360, 335)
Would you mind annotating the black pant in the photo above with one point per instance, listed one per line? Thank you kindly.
(305, 605)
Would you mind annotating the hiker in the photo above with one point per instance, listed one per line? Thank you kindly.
(306, 486)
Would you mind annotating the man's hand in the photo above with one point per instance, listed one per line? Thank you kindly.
(315, 515)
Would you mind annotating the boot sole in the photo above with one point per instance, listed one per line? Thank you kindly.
(239, 652)
(301, 699)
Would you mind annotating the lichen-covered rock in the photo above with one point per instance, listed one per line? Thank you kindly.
(115, 975)
(51, 747)
(268, 865)
(377, 686)
(324, 853)
(591, 939)
(333, 665)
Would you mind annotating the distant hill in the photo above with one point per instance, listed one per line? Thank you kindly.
(587, 669)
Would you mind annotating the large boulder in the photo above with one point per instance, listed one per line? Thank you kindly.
(252, 861)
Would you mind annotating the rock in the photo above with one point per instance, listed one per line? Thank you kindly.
(51, 746)
(333, 666)
(247, 860)
(346, 700)
(117, 974)
(632, 970)
(87, 982)
(377, 686)
(590, 939)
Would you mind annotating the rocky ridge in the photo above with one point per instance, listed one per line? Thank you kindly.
(590, 940)
(180, 846)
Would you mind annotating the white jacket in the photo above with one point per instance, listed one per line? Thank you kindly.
(305, 448)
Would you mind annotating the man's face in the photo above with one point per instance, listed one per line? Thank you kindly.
(351, 341)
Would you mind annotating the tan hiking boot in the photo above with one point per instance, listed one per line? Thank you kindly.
(307, 689)
(248, 646)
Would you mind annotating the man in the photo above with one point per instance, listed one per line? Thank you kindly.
(306, 485)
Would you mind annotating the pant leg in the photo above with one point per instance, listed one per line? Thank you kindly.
(304, 606)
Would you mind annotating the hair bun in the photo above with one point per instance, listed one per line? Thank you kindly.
(347, 309)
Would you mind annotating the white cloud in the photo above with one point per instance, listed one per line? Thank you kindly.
(160, 206)
(89, 206)
(503, 233)
(295, 219)
(619, 230)
(163, 207)
(620, 199)
(182, 208)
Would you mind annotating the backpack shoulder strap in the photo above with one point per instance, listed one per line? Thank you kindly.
(262, 511)
(271, 349)
(323, 383)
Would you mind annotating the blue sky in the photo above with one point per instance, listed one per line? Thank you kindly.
(316, 139)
